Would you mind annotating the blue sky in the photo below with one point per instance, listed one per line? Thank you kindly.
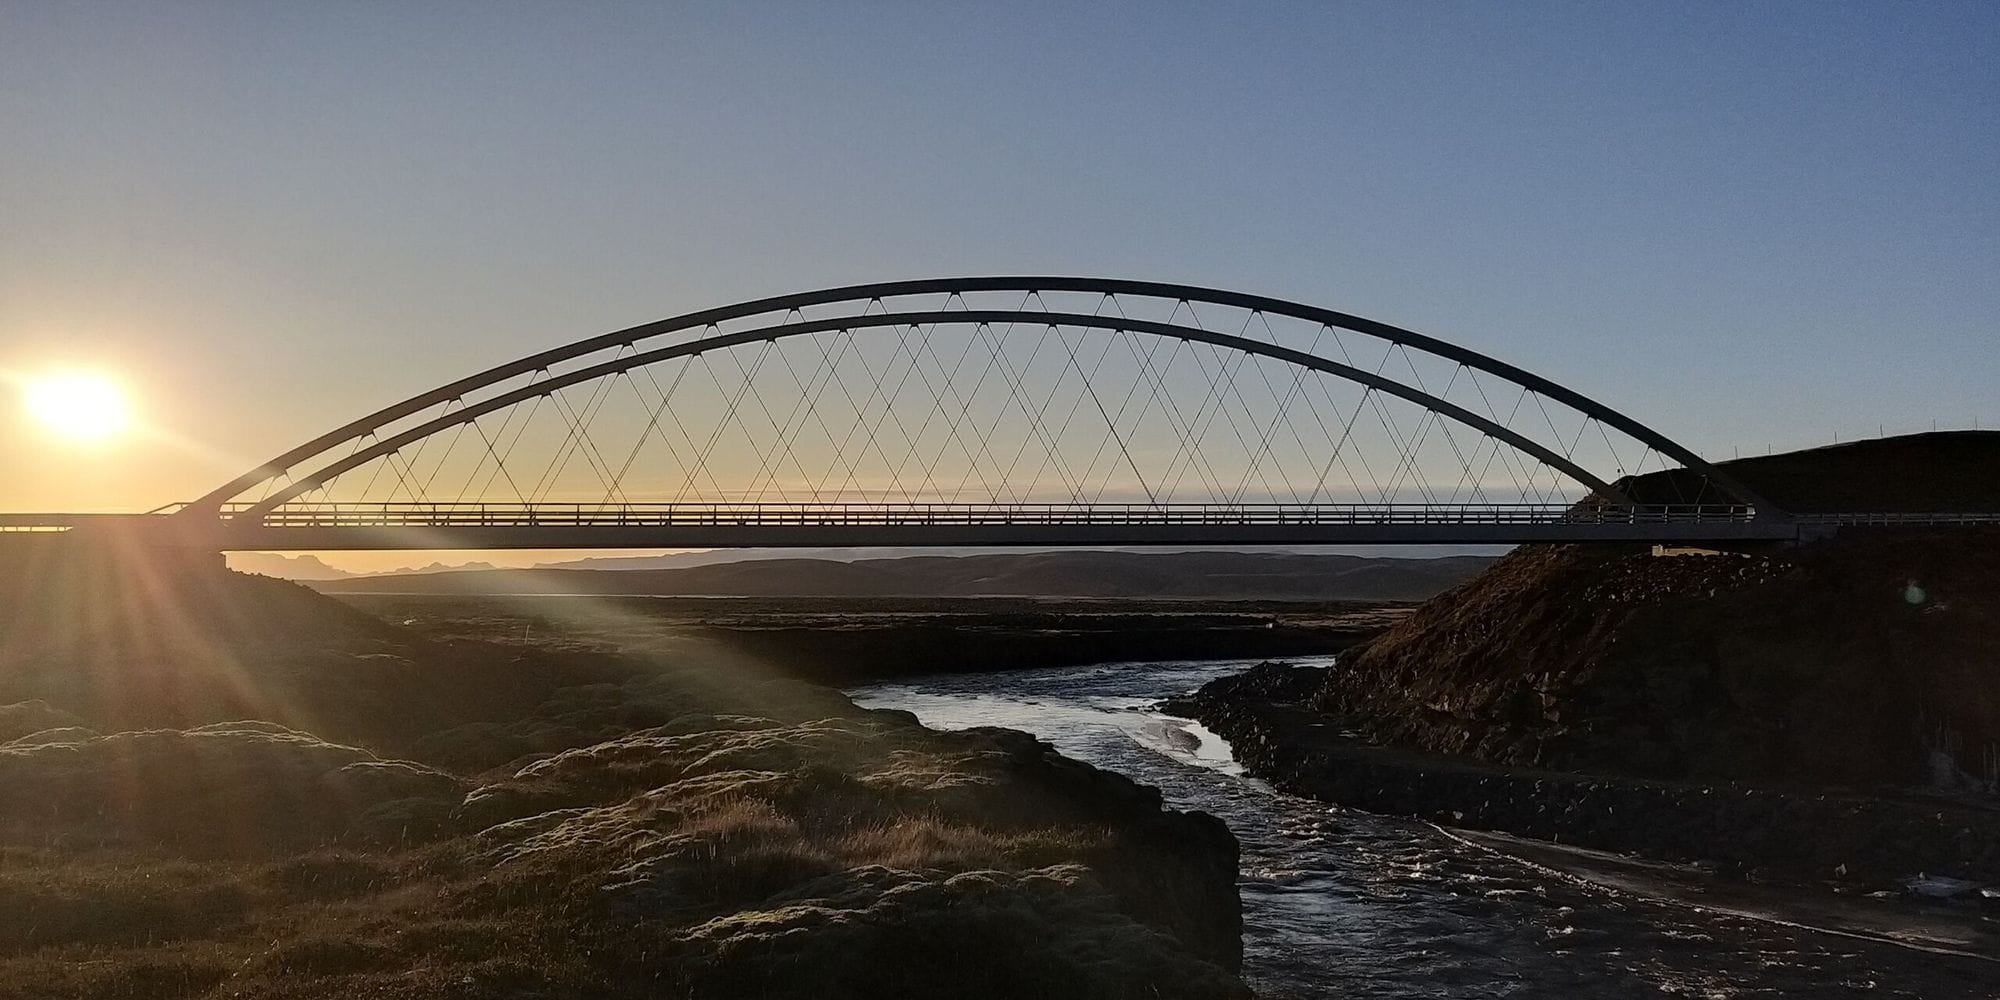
(1747, 224)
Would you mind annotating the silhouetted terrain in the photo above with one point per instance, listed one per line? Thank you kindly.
(1191, 575)
(1938, 471)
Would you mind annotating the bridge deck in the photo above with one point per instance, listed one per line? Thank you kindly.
(730, 525)
(764, 525)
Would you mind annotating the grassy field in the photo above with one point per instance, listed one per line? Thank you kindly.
(223, 786)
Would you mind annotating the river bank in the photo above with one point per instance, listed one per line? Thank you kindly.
(1855, 839)
(1825, 711)
(1368, 906)
(214, 785)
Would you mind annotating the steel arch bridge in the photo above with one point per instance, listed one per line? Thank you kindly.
(985, 411)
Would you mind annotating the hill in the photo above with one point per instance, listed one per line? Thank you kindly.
(1826, 710)
(1091, 574)
(1869, 657)
(1915, 473)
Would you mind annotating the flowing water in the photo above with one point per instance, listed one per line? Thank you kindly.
(1344, 903)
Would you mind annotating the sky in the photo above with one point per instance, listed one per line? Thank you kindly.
(1750, 225)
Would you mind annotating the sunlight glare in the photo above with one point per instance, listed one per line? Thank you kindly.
(79, 406)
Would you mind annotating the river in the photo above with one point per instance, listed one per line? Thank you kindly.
(1344, 903)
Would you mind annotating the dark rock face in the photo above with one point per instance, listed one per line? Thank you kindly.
(1851, 661)
(1737, 828)
(1275, 683)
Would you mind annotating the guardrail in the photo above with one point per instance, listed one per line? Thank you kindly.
(44, 522)
(873, 514)
(380, 515)
(1859, 518)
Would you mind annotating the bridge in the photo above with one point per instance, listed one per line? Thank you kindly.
(980, 411)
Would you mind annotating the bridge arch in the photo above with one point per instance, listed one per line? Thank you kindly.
(1085, 315)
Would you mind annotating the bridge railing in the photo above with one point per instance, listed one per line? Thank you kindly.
(1885, 518)
(555, 515)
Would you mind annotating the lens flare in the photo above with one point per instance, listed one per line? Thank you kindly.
(78, 406)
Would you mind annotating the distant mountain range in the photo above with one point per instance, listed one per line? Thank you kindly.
(311, 569)
(1100, 574)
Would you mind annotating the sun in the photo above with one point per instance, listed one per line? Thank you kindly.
(77, 405)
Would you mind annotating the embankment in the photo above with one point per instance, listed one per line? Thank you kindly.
(1854, 836)
(1833, 704)
(1865, 659)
